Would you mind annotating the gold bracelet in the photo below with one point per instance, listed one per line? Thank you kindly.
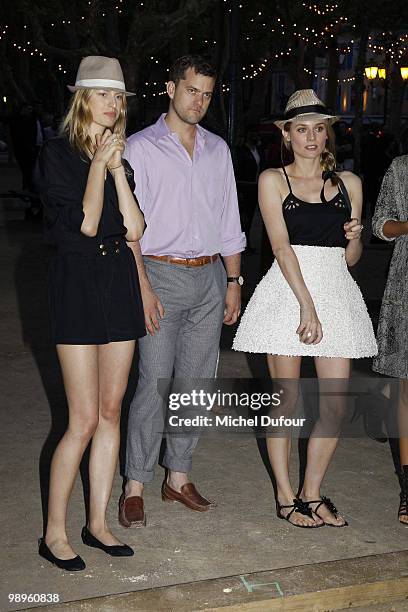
(115, 167)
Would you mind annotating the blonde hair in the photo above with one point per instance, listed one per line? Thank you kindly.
(328, 156)
(79, 117)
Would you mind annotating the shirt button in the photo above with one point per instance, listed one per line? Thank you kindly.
(104, 252)
(117, 251)
(101, 246)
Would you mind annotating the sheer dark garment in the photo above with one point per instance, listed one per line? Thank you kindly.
(93, 286)
(63, 177)
(317, 223)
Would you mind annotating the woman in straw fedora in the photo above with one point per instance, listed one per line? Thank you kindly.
(308, 303)
(94, 296)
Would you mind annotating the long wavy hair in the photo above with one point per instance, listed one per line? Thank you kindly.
(327, 157)
(76, 122)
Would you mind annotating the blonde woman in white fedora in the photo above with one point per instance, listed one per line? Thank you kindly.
(95, 305)
(308, 303)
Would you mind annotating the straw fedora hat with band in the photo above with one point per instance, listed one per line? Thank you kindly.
(99, 72)
(305, 103)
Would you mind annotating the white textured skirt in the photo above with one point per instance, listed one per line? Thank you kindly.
(272, 316)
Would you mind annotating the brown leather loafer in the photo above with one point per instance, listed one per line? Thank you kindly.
(189, 496)
(131, 511)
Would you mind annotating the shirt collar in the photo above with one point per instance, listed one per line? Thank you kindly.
(161, 129)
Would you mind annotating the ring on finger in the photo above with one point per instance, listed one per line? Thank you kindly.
(309, 334)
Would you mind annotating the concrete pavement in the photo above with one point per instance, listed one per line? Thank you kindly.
(242, 536)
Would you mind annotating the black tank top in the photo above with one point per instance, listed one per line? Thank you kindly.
(315, 224)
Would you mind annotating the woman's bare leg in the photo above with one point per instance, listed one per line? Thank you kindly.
(79, 366)
(281, 366)
(403, 420)
(114, 362)
(403, 428)
(321, 448)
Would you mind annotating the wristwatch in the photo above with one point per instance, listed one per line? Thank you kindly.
(236, 279)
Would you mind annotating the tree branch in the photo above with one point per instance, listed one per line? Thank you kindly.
(162, 27)
(38, 35)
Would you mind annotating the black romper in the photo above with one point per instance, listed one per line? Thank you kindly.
(94, 293)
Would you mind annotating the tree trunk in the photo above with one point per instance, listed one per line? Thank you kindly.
(235, 100)
(217, 115)
(259, 97)
(9, 84)
(396, 91)
(131, 71)
(301, 76)
(310, 63)
(333, 75)
(359, 90)
(112, 32)
(25, 77)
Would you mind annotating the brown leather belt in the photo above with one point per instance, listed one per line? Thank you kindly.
(191, 261)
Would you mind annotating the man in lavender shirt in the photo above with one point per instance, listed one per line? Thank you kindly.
(186, 189)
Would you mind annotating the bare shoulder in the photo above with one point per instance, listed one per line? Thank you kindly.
(351, 180)
(271, 177)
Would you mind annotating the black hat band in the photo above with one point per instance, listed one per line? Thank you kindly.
(302, 110)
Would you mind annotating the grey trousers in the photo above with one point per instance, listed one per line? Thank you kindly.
(186, 346)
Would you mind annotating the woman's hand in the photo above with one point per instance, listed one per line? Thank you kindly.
(116, 159)
(310, 328)
(109, 148)
(353, 229)
(153, 309)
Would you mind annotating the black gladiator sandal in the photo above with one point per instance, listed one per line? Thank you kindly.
(403, 507)
(326, 501)
(299, 506)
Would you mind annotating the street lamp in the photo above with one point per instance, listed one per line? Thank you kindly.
(404, 72)
(380, 73)
(371, 72)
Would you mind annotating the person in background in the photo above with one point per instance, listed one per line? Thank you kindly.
(344, 146)
(249, 163)
(390, 222)
(26, 137)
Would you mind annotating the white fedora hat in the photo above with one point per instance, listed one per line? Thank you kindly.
(99, 72)
(305, 103)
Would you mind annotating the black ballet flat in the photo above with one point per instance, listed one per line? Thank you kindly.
(76, 564)
(117, 550)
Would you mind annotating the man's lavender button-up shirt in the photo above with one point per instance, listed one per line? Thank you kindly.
(190, 205)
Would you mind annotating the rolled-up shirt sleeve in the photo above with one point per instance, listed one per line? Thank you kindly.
(134, 155)
(232, 237)
(58, 190)
(386, 207)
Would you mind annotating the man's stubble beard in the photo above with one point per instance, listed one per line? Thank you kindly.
(186, 118)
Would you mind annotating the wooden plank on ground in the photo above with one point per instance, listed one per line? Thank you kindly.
(318, 587)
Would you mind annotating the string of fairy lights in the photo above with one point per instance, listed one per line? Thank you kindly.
(316, 75)
(395, 49)
(325, 9)
(317, 36)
